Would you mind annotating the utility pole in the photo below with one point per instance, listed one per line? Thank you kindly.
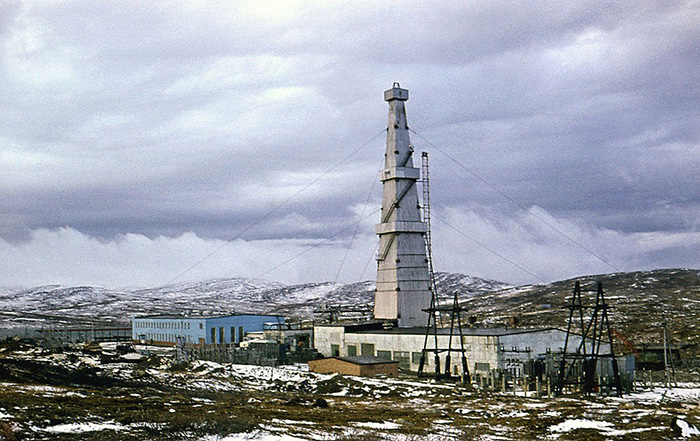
(669, 374)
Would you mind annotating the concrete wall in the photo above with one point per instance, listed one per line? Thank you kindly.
(548, 340)
(326, 336)
(479, 349)
(385, 342)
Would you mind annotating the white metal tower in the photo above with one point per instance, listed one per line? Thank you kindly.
(403, 278)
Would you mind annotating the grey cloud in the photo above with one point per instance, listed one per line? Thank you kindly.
(162, 120)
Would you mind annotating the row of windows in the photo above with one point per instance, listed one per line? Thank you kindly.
(163, 325)
(405, 358)
(167, 337)
(368, 349)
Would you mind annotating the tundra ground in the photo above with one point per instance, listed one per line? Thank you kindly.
(71, 395)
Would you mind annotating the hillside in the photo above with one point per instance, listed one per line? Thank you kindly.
(640, 301)
(86, 305)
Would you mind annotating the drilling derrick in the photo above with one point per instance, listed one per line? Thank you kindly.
(403, 278)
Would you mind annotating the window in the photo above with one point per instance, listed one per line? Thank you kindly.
(367, 349)
(403, 358)
(352, 350)
(384, 355)
(201, 326)
(213, 336)
(415, 357)
(335, 351)
(484, 367)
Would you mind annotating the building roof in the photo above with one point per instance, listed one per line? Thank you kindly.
(465, 331)
(200, 317)
(355, 326)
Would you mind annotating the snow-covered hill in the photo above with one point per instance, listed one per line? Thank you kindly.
(56, 305)
(640, 301)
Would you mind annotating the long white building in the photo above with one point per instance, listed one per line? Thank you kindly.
(486, 349)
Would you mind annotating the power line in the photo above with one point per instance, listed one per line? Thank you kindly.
(354, 233)
(371, 257)
(496, 189)
(270, 212)
(490, 250)
(316, 245)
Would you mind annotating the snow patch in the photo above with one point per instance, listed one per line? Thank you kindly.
(85, 427)
(388, 425)
(686, 429)
(570, 425)
(252, 436)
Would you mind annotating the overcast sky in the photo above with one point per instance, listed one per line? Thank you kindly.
(149, 142)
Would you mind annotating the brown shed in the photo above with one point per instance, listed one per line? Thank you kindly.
(364, 366)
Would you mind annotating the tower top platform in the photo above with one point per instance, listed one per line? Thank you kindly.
(396, 93)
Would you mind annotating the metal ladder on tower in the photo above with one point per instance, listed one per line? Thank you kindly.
(433, 311)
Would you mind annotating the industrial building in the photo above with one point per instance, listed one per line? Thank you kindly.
(198, 330)
(486, 349)
(405, 328)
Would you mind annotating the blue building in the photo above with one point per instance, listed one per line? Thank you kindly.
(200, 330)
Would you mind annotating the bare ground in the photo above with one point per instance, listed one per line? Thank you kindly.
(72, 396)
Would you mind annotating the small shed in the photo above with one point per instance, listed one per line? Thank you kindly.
(365, 366)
